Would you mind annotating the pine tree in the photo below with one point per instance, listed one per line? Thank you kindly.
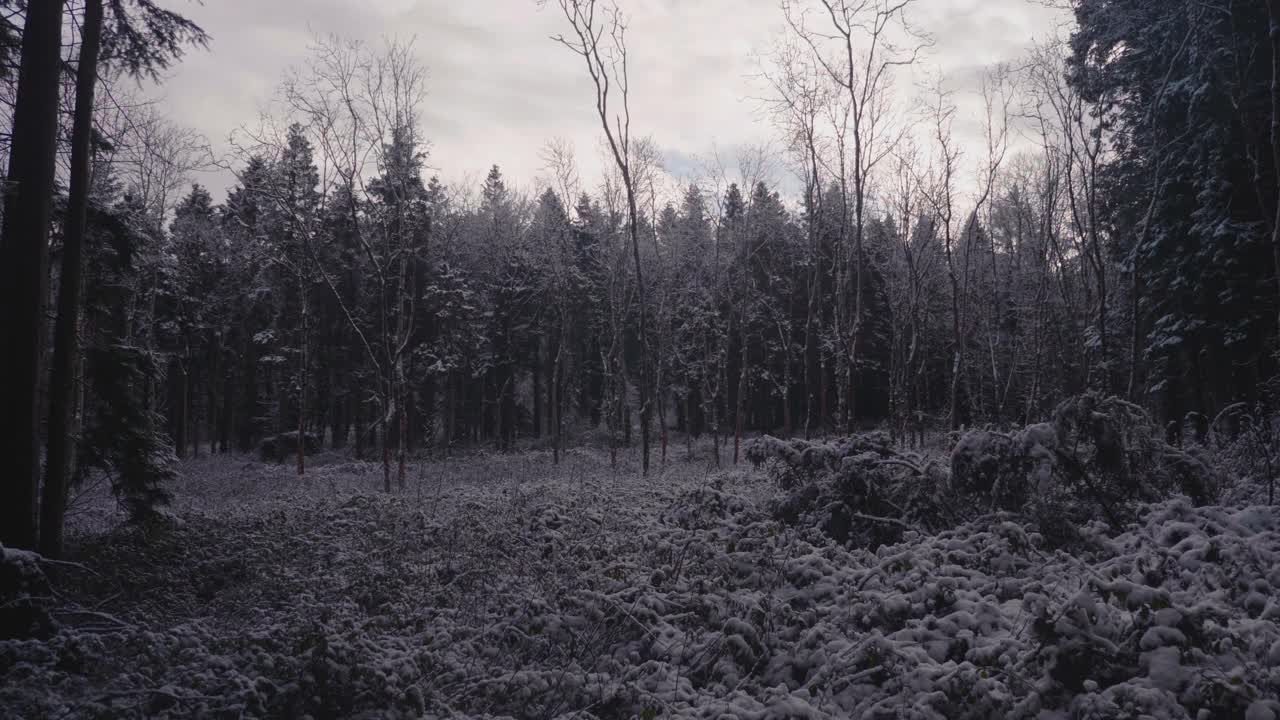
(1191, 188)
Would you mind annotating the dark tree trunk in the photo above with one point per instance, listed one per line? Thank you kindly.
(538, 365)
(740, 399)
(226, 418)
(1273, 34)
(180, 386)
(302, 383)
(337, 426)
(248, 405)
(429, 402)
(66, 340)
(24, 267)
(554, 388)
(645, 362)
(211, 391)
(358, 423)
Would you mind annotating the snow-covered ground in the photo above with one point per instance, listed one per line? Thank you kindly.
(504, 586)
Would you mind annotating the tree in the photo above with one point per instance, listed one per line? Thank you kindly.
(865, 25)
(66, 340)
(361, 108)
(121, 437)
(138, 52)
(800, 96)
(24, 241)
(608, 67)
(1190, 187)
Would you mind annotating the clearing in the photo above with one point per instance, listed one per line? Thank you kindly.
(505, 586)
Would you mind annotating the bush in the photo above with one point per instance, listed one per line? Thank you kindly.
(858, 489)
(1098, 458)
(681, 598)
(993, 465)
(278, 448)
(23, 588)
(1243, 440)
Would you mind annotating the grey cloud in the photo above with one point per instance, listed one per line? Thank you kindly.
(499, 87)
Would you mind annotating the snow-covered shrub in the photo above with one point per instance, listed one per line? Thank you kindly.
(615, 598)
(991, 465)
(802, 460)
(283, 446)
(1111, 455)
(857, 489)
(24, 591)
(1099, 457)
(1244, 439)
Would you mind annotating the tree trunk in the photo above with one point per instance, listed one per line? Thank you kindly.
(645, 375)
(66, 340)
(226, 420)
(555, 409)
(402, 446)
(357, 423)
(302, 383)
(211, 391)
(539, 367)
(1273, 13)
(386, 457)
(787, 380)
(450, 412)
(176, 390)
(741, 404)
(193, 414)
(688, 426)
(24, 261)
(859, 185)
(385, 428)
(824, 408)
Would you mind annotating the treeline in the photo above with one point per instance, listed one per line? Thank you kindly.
(911, 281)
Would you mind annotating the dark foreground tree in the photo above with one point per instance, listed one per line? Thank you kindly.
(66, 339)
(23, 267)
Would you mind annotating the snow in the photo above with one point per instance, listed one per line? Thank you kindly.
(501, 586)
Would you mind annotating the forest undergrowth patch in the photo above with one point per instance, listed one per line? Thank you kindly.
(515, 590)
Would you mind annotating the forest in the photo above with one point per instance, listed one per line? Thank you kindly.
(949, 399)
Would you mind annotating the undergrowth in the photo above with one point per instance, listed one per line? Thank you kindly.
(684, 595)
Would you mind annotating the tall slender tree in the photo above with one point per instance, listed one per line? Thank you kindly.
(607, 67)
(24, 242)
(66, 338)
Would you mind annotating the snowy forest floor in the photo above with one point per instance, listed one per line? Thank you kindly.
(505, 586)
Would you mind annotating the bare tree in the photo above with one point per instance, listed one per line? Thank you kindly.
(156, 157)
(910, 308)
(601, 42)
(866, 51)
(940, 192)
(353, 102)
(996, 97)
(1069, 124)
(799, 96)
(558, 159)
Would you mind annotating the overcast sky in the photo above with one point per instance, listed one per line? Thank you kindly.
(499, 88)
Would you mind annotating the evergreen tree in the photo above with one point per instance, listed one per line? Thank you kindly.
(1191, 188)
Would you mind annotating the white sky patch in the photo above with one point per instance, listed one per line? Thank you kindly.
(500, 88)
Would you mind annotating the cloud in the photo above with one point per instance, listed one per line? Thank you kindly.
(499, 87)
